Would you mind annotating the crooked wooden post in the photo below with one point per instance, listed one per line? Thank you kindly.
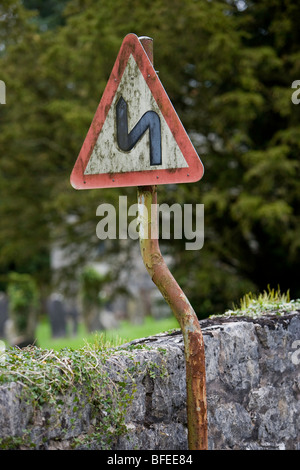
(184, 313)
(180, 306)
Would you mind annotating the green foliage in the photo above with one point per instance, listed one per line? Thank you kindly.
(83, 376)
(22, 292)
(264, 299)
(125, 333)
(23, 302)
(251, 156)
(96, 377)
(49, 14)
(270, 302)
(91, 284)
(228, 71)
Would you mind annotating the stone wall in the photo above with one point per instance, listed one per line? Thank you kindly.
(253, 392)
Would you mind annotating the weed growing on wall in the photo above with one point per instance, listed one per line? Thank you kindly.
(269, 302)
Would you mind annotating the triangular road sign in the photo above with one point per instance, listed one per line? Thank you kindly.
(136, 138)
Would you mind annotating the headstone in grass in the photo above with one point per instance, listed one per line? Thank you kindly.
(57, 315)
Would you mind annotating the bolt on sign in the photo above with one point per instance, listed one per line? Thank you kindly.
(136, 137)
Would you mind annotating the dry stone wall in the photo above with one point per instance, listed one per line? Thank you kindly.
(253, 393)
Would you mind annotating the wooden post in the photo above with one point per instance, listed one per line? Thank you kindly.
(180, 306)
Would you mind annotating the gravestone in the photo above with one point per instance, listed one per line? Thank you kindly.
(108, 320)
(3, 313)
(57, 315)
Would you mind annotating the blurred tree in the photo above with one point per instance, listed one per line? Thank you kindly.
(239, 101)
(91, 285)
(50, 13)
(252, 204)
(227, 66)
(23, 300)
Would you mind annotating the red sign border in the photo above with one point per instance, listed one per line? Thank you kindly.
(195, 169)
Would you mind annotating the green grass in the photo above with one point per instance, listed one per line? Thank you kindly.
(126, 332)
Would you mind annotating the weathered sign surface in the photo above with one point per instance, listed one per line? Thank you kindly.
(136, 138)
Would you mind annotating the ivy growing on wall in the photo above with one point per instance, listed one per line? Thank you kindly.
(94, 384)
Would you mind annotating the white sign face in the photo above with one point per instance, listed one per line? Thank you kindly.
(107, 157)
(136, 138)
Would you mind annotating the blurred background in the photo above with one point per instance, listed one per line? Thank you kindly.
(228, 68)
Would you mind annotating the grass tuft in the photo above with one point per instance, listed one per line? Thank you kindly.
(269, 302)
